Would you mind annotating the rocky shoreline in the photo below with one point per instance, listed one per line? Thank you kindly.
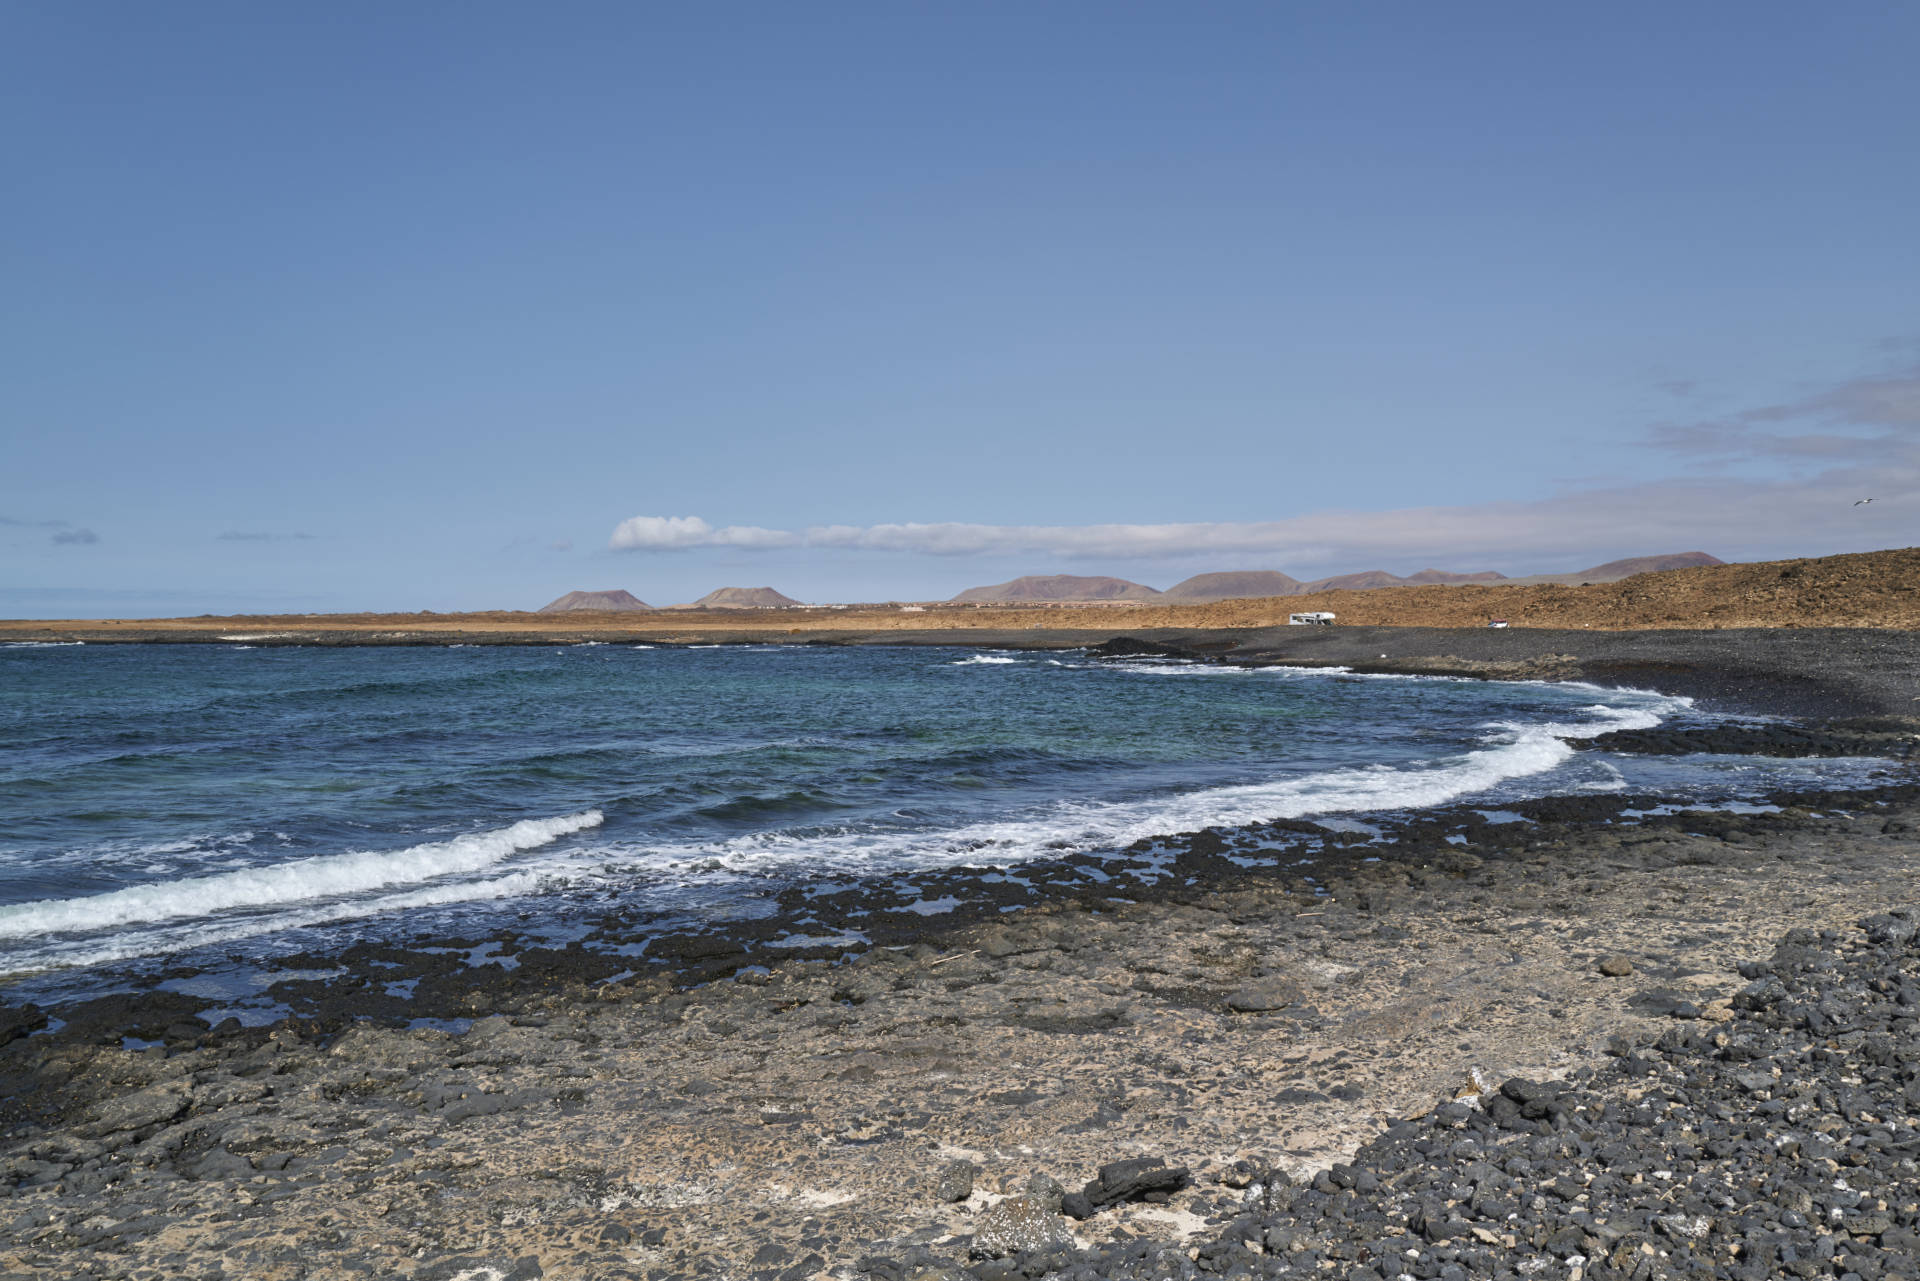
(1238, 1002)
(1772, 1135)
(1162, 1064)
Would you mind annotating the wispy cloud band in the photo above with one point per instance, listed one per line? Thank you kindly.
(65, 534)
(1864, 434)
(1728, 516)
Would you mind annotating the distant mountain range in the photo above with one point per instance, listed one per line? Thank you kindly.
(1201, 588)
(1615, 570)
(615, 601)
(1235, 584)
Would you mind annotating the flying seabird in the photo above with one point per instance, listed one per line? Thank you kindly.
(1863, 502)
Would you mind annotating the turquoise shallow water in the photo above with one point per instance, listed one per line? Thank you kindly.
(228, 801)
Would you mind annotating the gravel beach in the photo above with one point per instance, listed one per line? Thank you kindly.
(1452, 1044)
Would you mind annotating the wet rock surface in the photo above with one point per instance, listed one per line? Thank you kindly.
(1893, 740)
(1138, 647)
(726, 1106)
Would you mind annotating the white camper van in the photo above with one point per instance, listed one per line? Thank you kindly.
(1318, 618)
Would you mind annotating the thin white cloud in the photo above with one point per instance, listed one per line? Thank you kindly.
(1730, 517)
(680, 533)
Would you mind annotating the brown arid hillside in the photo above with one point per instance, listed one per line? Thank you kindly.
(614, 601)
(1367, 580)
(1238, 584)
(1618, 569)
(1651, 564)
(1869, 589)
(1060, 587)
(1232, 585)
(742, 598)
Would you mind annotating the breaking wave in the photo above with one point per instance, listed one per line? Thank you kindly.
(721, 776)
(1527, 749)
(299, 881)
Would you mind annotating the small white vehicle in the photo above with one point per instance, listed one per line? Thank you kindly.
(1318, 618)
(1496, 622)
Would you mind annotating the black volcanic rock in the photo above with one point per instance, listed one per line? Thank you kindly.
(1134, 647)
(1777, 1141)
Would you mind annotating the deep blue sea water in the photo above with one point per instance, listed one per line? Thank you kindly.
(228, 801)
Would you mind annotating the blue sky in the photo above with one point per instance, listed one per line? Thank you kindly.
(451, 306)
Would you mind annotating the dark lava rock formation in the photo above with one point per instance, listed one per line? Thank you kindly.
(1837, 738)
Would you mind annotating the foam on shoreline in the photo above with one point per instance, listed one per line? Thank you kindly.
(1520, 750)
(301, 880)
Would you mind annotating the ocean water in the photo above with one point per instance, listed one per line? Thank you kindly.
(221, 803)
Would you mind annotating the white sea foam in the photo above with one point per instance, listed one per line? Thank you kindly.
(1155, 667)
(179, 934)
(974, 660)
(1514, 751)
(299, 881)
(1150, 665)
(229, 907)
(1666, 702)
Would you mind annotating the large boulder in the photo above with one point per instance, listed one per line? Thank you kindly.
(1016, 1225)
